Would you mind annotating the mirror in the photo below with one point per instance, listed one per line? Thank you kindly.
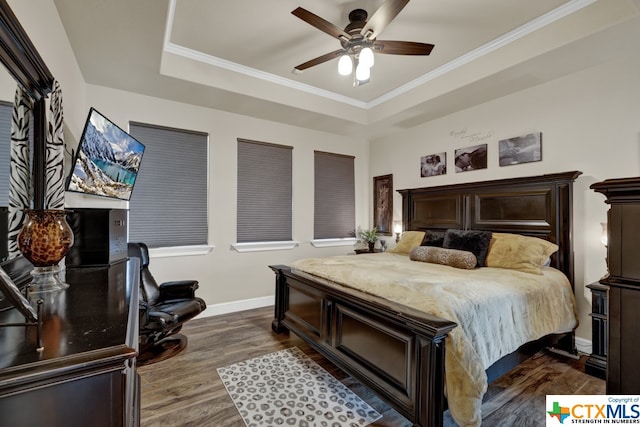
(24, 65)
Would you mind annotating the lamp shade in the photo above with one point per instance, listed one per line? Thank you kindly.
(345, 65)
(362, 72)
(366, 57)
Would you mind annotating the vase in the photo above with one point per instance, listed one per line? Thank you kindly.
(372, 246)
(45, 238)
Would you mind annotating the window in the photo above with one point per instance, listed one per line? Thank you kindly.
(168, 205)
(334, 196)
(264, 192)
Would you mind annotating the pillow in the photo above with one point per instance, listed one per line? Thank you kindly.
(518, 252)
(433, 238)
(474, 241)
(408, 241)
(450, 257)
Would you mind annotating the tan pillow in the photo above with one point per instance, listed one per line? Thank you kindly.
(408, 241)
(451, 257)
(518, 252)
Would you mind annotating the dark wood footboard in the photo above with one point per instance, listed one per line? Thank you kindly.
(396, 351)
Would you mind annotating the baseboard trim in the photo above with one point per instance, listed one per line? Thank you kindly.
(235, 306)
(583, 345)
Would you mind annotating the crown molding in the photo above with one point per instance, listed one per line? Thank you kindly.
(261, 75)
(510, 37)
(185, 52)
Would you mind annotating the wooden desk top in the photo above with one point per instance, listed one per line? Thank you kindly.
(94, 321)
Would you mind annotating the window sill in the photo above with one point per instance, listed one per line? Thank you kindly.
(264, 246)
(327, 243)
(175, 251)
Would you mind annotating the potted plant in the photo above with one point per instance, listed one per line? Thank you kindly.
(369, 236)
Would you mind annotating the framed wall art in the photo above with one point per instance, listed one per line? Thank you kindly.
(521, 149)
(433, 164)
(383, 203)
(471, 158)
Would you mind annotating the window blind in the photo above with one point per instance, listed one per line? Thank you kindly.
(168, 205)
(334, 196)
(264, 211)
(6, 110)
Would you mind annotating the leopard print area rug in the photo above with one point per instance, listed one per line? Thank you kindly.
(287, 388)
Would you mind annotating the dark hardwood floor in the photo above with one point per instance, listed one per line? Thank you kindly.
(186, 390)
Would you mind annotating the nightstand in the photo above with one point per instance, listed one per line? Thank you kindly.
(596, 364)
(366, 251)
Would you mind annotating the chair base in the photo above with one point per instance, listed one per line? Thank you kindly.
(162, 350)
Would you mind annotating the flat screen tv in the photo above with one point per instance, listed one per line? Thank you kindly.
(107, 161)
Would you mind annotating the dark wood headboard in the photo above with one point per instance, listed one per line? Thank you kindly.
(539, 206)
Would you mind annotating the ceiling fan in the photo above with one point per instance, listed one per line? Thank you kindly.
(359, 40)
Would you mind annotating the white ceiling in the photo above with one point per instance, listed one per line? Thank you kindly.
(238, 55)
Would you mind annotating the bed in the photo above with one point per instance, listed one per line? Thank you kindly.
(399, 350)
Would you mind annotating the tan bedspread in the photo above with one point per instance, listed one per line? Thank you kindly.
(497, 310)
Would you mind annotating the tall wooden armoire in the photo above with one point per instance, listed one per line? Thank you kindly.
(623, 255)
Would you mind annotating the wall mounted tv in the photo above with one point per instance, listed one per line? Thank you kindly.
(107, 161)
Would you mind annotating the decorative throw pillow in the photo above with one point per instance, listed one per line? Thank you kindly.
(433, 238)
(450, 257)
(518, 252)
(408, 241)
(474, 241)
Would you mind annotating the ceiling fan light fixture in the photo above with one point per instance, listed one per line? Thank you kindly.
(345, 65)
(366, 57)
(363, 73)
(359, 39)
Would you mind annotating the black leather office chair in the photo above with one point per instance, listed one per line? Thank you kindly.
(164, 308)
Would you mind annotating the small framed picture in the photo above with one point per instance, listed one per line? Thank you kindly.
(471, 158)
(433, 164)
(521, 149)
(383, 203)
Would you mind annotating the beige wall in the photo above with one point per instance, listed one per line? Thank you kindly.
(589, 122)
(226, 275)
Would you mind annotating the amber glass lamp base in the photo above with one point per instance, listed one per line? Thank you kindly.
(47, 279)
(44, 240)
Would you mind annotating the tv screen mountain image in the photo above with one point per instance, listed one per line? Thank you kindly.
(107, 161)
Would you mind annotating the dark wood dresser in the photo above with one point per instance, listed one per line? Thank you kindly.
(623, 349)
(86, 374)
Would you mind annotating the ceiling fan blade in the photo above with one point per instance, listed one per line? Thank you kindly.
(401, 48)
(320, 23)
(320, 59)
(381, 18)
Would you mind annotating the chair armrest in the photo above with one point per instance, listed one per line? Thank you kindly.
(178, 289)
(143, 313)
